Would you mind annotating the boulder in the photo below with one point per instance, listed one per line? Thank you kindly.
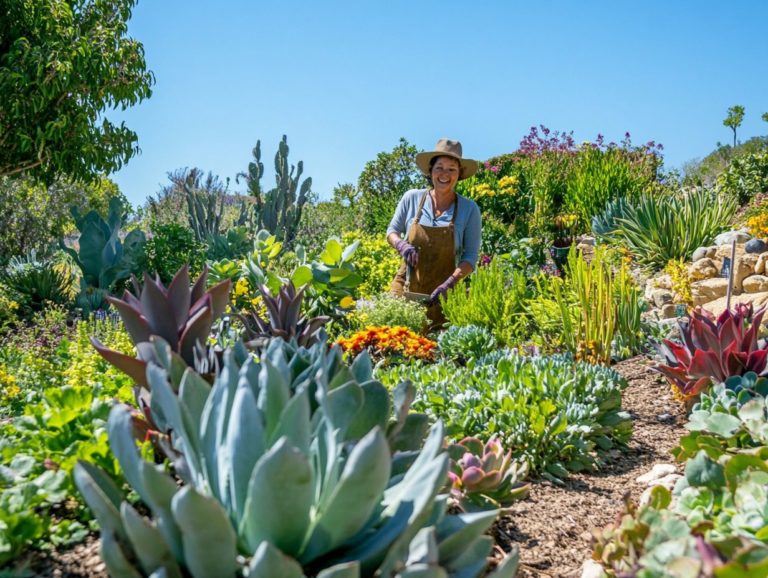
(755, 284)
(700, 253)
(760, 265)
(657, 472)
(725, 251)
(708, 290)
(703, 269)
(668, 311)
(587, 240)
(717, 306)
(745, 266)
(591, 569)
(756, 246)
(728, 237)
(660, 297)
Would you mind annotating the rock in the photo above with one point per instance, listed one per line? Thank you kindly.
(657, 472)
(665, 417)
(661, 297)
(591, 569)
(755, 284)
(669, 481)
(725, 251)
(586, 240)
(728, 237)
(760, 265)
(756, 246)
(717, 306)
(662, 282)
(703, 269)
(745, 266)
(708, 290)
(668, 311)
(700, 253)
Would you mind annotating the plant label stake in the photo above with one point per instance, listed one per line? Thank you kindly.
(730, 275)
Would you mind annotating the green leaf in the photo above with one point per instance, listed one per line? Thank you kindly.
(280, 495)
(148, 543)
(702, 471)
(332, 253)
(301, 276)
(210, 543)
(268, 561)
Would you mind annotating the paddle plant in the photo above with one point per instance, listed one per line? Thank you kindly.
(713, 349)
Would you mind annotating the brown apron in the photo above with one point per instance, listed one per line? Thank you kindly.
(437, 260)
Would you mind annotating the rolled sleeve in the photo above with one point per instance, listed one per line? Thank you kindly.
(472, 231)
(399, 222)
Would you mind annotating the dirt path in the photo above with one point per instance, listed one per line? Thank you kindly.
(552, 527)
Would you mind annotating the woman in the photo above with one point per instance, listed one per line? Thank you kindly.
(436, 230)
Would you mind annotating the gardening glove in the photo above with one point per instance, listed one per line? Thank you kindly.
(408, 252)
(442, 289)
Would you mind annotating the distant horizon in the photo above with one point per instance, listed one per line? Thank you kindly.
(345, 80)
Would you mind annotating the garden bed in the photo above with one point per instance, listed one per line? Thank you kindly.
(552, 526)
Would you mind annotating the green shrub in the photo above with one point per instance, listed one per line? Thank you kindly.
(745, 177)
(389, 310)
(169, 247)
(322, 220)
(494, 300)
(35, 282)
(556, 414)
(659, 228)
(464, 343)
(376, 262)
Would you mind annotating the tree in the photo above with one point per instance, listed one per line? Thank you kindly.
(345, 194)
(63, 63)
(34, 216)
(765, 116)
(384, 180)
(734, 119)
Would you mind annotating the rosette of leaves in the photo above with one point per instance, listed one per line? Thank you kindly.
(284, 319)
(35, 282)
(286, 478)
(483, 476)
(467, 342)
(713, 350)
(182, 316)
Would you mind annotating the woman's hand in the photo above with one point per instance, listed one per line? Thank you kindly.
(442, 289)
(408, 252)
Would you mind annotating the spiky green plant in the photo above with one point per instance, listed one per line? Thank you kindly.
(283, 477)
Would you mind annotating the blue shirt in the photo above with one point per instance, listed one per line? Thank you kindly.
(467, 226)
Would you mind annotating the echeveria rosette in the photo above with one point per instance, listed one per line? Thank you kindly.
(714, 349)
(483, 477)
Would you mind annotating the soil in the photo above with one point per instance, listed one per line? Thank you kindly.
(552, 526)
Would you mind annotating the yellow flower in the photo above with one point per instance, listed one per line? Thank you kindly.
(347, 302)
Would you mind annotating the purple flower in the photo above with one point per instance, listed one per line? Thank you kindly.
(494, 169)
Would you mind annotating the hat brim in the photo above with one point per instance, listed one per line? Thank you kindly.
(468, 166)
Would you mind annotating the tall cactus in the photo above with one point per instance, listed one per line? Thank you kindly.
(279, 209)
(205, 204)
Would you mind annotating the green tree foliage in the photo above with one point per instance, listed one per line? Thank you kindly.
(734, 119)
(384, 180)
(765, 116)
(33, 216)
(63, 63)
(705, 171)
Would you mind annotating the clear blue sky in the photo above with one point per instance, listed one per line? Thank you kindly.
(345, 79)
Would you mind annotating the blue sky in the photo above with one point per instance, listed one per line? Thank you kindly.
(346, 79)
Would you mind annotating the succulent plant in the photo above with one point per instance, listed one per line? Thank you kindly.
(483, 477)
(714, 349)
(101, 256)
(287, 473)
(179, 314)
(285, 319)
(462, 343)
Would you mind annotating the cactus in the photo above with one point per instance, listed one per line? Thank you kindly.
(205, 203)
(102, 258)
(287, 473)
(278, 210)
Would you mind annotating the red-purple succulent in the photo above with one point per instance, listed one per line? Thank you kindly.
(714, 349)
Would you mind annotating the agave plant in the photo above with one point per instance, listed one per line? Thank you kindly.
(284, 476)
(714, 349)
(284, 319)
(483, 477)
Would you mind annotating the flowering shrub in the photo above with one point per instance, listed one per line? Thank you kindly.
(498, 191)
(375, 260)
(389, 344)
(757, 225)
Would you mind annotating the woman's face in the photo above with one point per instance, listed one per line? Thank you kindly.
(445, 174)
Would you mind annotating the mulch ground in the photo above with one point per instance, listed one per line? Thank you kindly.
(552, 526)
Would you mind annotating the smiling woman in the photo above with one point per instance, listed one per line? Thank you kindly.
(436, 230)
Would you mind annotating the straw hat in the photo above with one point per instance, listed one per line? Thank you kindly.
(447, 148)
